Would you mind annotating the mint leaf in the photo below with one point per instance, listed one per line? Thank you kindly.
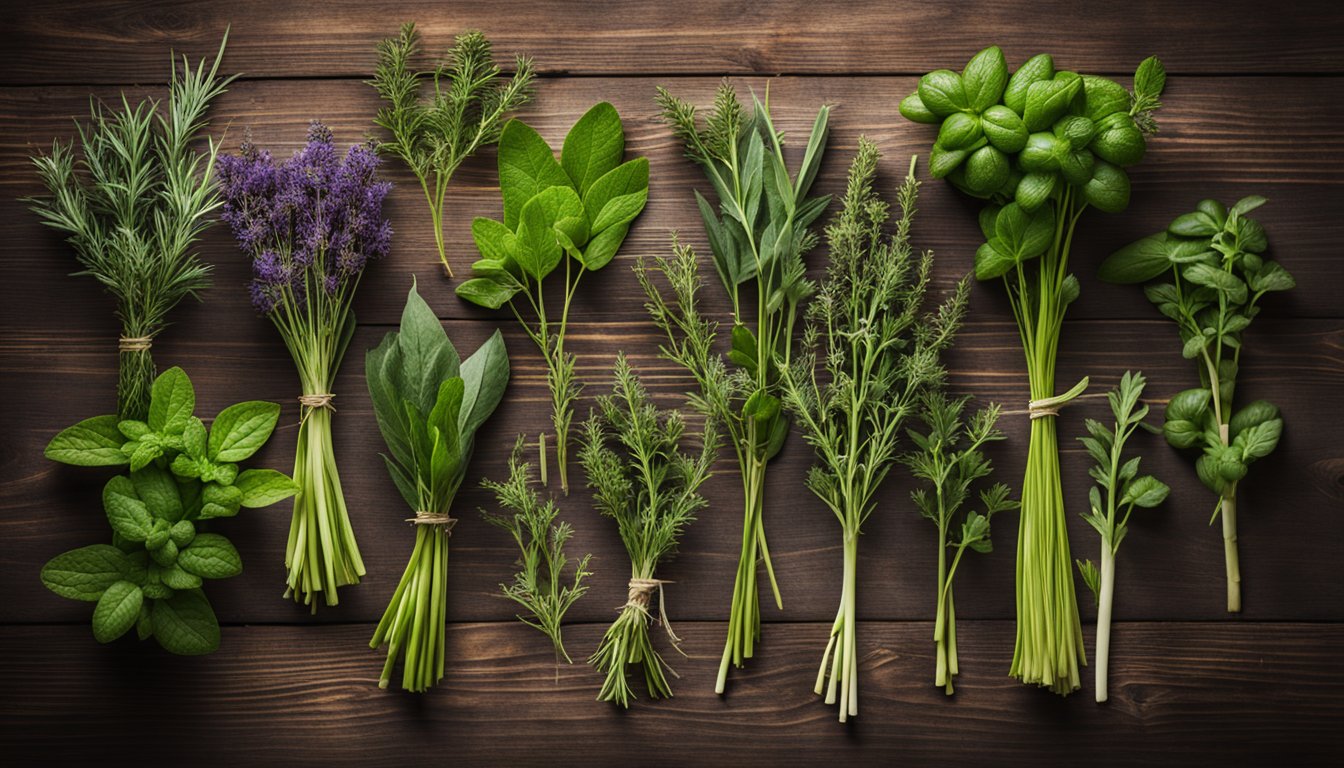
(85, 573)
(117, 611)
(239, 430)
(264, 487)
(127, 514)
(93, 442)
(172, 400)
(159, 492)
(211, 556)
(185, 624)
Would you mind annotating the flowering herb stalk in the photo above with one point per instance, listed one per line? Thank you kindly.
(643, 478)
(310, 225)
(464, 114)
(1042, 146)
(429, 405)
(1218, 273)
(538, 586)
(870, 351)
(1125, 489)
(132, 207)
(950, 460)
(758, 239)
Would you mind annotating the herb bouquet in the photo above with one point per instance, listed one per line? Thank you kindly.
(1042, 146)
(642, 478)
(429, 404)
(310, 224)
(133, 206)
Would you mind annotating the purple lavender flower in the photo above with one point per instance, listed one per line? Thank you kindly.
(315, 219)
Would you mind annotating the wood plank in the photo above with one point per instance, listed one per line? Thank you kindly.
(1181, 694)
(1189, 160)
(1171, 566)
(83, 41)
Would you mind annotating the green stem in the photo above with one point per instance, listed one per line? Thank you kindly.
(1104, 599)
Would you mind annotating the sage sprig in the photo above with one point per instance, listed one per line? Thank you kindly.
(643, 477)
(538, 587)
(133, 205)
(1042, 146)
(1218, 273)
(758, 239)
(1125, 489)
(465, 113)
(576, 211)
(181, 474)
(870, 350)
(951, 460)
(429, 404)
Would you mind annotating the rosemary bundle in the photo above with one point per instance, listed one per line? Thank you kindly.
(643, 478)
(133, 205)
(869, 352)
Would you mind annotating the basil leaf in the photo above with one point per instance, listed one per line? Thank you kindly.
(1108, 189)
(85, 573)
(185, 624)
(942, 93)
(1004, 129)
(1150, 78)
(984, 78)
(1104, 97)
(1145, 492)
(1036, 69)
(1138, 262)
(912, 108)
(94, 442)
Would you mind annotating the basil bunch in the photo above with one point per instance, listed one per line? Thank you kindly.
(1218, 272)
(579, 206)
(150, 576)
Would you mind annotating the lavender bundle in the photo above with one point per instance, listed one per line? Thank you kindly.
(311, 224)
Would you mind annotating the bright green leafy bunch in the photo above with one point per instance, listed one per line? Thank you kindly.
(134, 204)
(951, 460)
(1214, 260)
(758, 239)
(1125, 489)
(181, 474)
(870, 350)
(642, 477)
(429, 404)
(577, 211)
(538, 587)
(465, 112)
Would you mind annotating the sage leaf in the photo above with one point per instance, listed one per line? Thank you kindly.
(526, 167)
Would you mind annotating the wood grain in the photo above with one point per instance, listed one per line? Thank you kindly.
(87, 41)
(1182, 694)
(1204, 150)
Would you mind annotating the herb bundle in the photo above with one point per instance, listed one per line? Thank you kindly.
(132, 207)
(758, 237)
(1041, 146)
(951, 461)
(537, 586)
(180, 475)
(1218, 273)
(1125, 489)
(869, 352)
(641, 477)
(310, 224)
(464, 114)
(577, 211)
(429, 404)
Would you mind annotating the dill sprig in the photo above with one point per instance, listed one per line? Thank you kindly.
(641, 477)
(464, 113)
(537, 587)
(132, 201)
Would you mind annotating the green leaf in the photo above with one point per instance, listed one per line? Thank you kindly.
(1189, 405)
(990, 262)
(1108, 190)
(193, 438)
(93, 442)
(539, 251)
(526, 167)
(1036, 69)
(1271, 277)
(494, 240)
(210, 556)
(177, 578)
(619, 196)
(1252, 414)
(602, 248)
(959, 131)
(486, 374)
(444, 419)
(1034, 189)
(912, 108)
(984, 78)
(942, 93)
(1138, 262)
(425, 357)
(744, 350)
(1120, 142)
(593, 146)
(761, 406)
(1090, 576)
(485, 292)
(1104, 97)
(127, 514)
(182, 532)
(944, 161)
(1247, 204)
(1224, 282)
(85, 573)
(1004, 129)
(171, 402)
(1150, 78)
(117, 611)
(1198, 224)
(240, 430)
(159, 492)
(264, 487)
(185, 624)
(1024, 235)
(1146, 492)
(1260, 440)
(1047, 100)
(132, 429)
(986, 170)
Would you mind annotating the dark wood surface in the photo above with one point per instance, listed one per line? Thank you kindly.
(1250, 108)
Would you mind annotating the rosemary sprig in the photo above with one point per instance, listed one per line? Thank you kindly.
(132, 205)
(466, 111)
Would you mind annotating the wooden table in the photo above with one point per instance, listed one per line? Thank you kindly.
(1252, 106)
